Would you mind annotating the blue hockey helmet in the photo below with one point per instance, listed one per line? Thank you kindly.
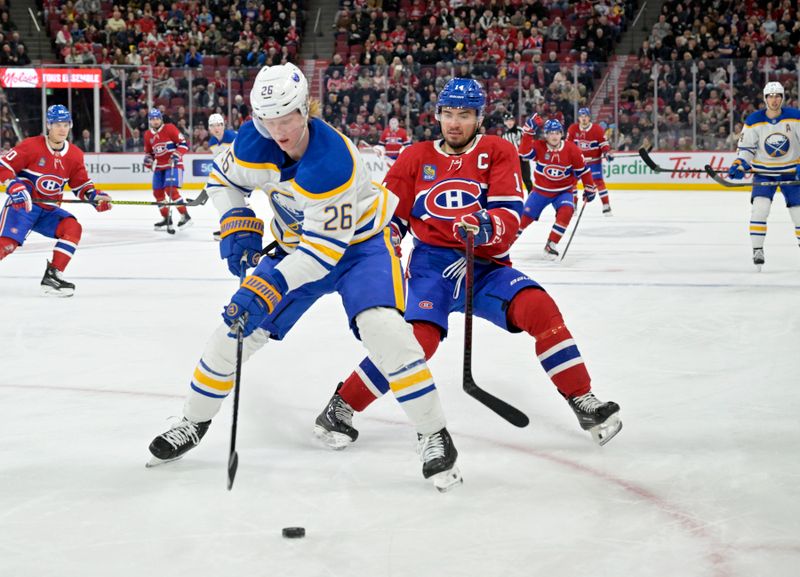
(58, 113)
(155, 113)
(462, 93)
(553, 125)
(584, 112)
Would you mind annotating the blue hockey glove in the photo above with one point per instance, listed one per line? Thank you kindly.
(610, 157)
(175, 159)
(487, 228)
(533, 124)
(589, 192)
(256, 298)
(738, 168)
(240, 232)
(148, 161)
(20, 195)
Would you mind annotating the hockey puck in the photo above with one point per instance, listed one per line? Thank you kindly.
(294, 532)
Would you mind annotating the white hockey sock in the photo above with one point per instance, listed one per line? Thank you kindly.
(758, 220)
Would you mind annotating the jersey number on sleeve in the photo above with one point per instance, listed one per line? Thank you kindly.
(340, 217)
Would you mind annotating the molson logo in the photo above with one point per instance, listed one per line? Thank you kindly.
(19, 78)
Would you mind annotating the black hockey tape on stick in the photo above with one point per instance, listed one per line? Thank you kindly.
(731, 184)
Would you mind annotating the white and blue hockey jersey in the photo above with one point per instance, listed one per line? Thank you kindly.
(771, 145)
(321, 204)
(216, 145)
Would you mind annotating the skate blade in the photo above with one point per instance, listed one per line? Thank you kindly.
(604, 432)
(608, 213)
(447, 480)
(332, 439)
(185, 226)
(758, 267)
(155, 462)
(51, 292)
(550, 256)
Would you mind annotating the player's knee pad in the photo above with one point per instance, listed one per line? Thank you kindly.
(428, 335)
(220, 352)
(388, 338)
(760, 208)
(535, 312)
(7, 246)
(159, 194)
(70, 230)
(564, 214)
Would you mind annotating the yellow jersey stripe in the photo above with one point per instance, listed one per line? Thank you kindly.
(329, 252)
(397, 273)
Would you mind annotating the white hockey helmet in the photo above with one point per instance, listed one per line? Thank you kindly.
(773, 88)
(279, 90)
(215, 119)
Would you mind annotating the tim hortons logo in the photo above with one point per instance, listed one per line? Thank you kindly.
(19, 78)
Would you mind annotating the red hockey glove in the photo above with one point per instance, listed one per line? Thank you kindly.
(20, 196)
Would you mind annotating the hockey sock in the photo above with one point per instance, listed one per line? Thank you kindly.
(603, 196)
(7, 246)
(758, 220)
(161, 196)
(367, 383)
(536, 313)
(563, 216)
(525, 222)
(176, 197)
(794, 212)
(68, 233)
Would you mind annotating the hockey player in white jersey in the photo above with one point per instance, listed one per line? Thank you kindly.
(331, 224)
(770, 147)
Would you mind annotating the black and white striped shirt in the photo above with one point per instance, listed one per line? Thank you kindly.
(513, 135)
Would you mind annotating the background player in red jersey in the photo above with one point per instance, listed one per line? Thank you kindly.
(465, 182)
(558, 165)
(164, 147)
(591, 139)
(37, 170)
(393, 141)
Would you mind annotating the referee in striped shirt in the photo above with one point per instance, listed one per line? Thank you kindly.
(513, 134)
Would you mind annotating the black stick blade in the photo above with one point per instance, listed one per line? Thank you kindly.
(233, 464)
(499, 406)
(648, 160)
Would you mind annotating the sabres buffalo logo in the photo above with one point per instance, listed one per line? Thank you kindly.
(776, 145)
(232, 310)
(48, 185)
(452, 198)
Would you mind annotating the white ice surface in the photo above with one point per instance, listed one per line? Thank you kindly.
(673, 321)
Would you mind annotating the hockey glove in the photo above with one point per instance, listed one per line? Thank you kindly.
(175, 159)
(487, 228)
(533, 124)
(396, 239)
(20, 195)
(148, 161)
(610, 157)
(738, 168)
(256, 298)
(98, 198)
(589, 192)
(240, 233)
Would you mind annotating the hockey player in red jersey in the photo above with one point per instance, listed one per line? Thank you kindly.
(467, 181)
(36, 172)
(591, 139)
(558, 165)
(164, 147)
(393, 141)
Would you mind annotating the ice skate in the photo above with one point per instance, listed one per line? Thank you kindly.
(607, 210)
(599, 418)
(181, 437)
(550, 252)
(758, 258)
(185, 221)
(334, 426)
(54, 285)
(164, 223)
(438, 456)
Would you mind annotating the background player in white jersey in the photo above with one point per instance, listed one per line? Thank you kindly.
(331, 223)
(770, 147)
(221, 139)
(37, 170)
(468, 181)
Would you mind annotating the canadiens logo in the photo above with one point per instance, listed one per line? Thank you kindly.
(48, 185)
(427, 305)
(452, 198)
(776, 145)
(159, 148)
(428, 172)
(554, 172)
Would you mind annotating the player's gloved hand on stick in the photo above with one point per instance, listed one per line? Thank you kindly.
(533, 124)
(175, 159)
(738, 169)
(100, 200)
(610, 157)
(148, 161)
(396, 239)
(487, 228)
(240, 232)
(20, 195)
(589, 192)
(258, 296)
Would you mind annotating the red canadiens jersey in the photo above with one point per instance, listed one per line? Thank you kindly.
(592, 141)
(162, 143)
(554, 171)
(47, 170)
(436, 188)
(394, 141)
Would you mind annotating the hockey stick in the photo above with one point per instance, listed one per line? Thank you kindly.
(727, 183)
(574, 228)
(509, 413)
(200, 200)
(652, 165)
(233, 456)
